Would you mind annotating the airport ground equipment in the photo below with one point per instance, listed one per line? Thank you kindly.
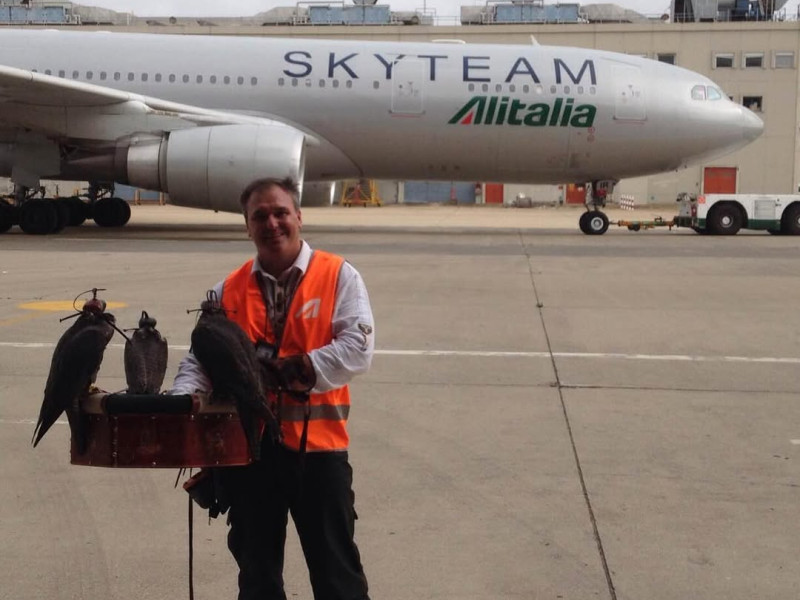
(651, 224)
(360, 192)
(726, 214)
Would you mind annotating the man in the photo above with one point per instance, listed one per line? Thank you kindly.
(311, 311)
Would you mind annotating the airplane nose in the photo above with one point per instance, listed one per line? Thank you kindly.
(752, 125)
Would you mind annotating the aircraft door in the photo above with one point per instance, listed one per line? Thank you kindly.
(407, 91)
(629, 100)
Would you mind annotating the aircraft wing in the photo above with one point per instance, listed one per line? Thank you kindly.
(68, 109)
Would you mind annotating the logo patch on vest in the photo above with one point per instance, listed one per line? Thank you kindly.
(309, 310)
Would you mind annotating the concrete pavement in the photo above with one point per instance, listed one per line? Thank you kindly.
(549, 415)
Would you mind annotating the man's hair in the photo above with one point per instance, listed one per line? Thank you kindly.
(287, 184)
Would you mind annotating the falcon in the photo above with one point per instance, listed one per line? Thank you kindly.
(145, 358)
(73, 369)
(229, 358)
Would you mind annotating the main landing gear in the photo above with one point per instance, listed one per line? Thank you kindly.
(594, 221)
(38, 215)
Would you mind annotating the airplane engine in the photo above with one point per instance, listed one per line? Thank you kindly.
(208, 167)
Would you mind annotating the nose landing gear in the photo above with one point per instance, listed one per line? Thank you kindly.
(594, 221)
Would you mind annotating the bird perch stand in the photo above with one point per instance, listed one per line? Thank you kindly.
(159, 431)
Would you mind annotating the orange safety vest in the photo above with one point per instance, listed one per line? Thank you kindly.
(308, 327)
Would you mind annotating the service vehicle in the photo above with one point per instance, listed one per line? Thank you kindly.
(726, 214)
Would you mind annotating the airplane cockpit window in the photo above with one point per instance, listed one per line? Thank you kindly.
(713, 93)
(699, 92)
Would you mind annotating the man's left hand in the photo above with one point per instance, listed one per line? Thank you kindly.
(298, 372)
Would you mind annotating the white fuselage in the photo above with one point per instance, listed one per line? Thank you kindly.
(421, 110)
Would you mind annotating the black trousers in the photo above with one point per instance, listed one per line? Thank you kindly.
(317, 490)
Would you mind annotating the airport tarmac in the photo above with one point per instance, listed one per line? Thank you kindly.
(549, 415)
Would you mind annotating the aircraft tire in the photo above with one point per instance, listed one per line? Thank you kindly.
(593, 222)
(111, 212)
(62, 214)
(583, 223)
(8, 216)
(78, 210)
(790, 223)
(124, 214)
(38, 217)
(724, 219)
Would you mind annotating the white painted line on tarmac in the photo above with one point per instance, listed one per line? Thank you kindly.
(518, 354)
(795, 442)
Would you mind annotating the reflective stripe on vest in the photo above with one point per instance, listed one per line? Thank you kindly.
(308, 326)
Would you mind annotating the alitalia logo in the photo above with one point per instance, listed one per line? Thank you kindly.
(502, 110)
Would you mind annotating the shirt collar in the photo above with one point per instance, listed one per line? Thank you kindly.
(301, 262)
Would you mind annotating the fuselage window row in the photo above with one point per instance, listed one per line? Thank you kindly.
(158, 77)
(536, 89)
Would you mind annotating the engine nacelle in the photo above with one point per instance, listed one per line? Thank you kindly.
(208, 167)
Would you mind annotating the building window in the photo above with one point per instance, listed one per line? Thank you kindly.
(753, 60)
(783, 60)
(754, 103)
(666, 57)
(723, 61)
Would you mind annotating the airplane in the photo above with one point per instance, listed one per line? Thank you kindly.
(199, 117)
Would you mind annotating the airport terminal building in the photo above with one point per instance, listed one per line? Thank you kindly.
(750, 51)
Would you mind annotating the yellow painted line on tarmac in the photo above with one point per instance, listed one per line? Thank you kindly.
(41, 308)
(20, 319)
(62, 305)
